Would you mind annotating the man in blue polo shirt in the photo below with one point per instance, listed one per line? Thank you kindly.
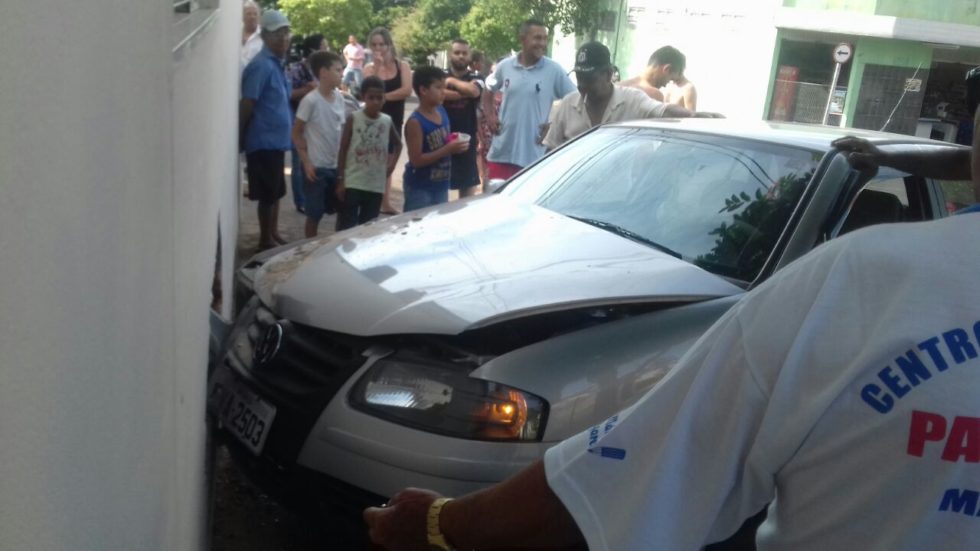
(530, 83)
(265, 124)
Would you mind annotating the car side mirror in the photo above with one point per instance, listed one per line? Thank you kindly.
(494, 185)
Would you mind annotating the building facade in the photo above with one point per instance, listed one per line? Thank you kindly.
(774, 59)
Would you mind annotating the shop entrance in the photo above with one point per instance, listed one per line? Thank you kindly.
(805, 69)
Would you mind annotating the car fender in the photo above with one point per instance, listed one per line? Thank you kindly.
(589, 375)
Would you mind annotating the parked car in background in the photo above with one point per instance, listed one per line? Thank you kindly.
(450, 347)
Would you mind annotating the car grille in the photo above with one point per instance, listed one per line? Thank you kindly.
(300, 378)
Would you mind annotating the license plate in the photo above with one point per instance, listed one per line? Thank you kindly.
(242, 413)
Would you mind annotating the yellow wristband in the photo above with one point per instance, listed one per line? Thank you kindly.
(436, 539)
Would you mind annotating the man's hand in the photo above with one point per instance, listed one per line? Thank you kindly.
(310, 172)
(339, 189)
(400, 525)
(708, 115)
(860, 153)
(458, 146)
(542, 132)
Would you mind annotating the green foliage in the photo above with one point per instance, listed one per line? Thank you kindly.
(386, 12)
(335, 19)
(491, 26)
(742, 246)
(429, 27)
(580, 17)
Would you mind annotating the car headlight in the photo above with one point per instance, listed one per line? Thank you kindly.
(446, 400)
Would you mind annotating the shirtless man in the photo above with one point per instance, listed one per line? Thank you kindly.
(665, 69)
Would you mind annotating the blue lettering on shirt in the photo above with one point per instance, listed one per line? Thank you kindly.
(597, 432)
(911, 369)
(960, 501)
(959, 345)
(611, 453)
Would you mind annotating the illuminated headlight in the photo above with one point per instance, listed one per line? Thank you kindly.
(447, 401)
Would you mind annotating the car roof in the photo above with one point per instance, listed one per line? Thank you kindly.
(808, 136)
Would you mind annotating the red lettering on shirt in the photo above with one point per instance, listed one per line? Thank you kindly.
(962, 440)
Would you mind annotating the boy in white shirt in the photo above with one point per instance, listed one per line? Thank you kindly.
(316, 133)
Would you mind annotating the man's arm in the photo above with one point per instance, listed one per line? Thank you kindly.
(406, 88)
(298, 93)
(930, 162)
(672, 110)
(521, 511)
(462, 88)
(490, 111)
(690, 95)
(394, 152)
(245, 109)
(340, 189)
(639, 84)
(299, 140)
(413, 137)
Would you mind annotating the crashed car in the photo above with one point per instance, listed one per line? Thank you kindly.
(448, 348)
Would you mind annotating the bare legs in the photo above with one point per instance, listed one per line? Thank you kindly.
(269, 225)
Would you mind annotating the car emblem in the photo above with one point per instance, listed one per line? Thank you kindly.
(269, 345)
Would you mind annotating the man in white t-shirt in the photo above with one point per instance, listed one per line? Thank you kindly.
(844, 392)
(317, 129)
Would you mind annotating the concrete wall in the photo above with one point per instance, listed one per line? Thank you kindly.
(944, 11)
(853, 6)
(115, 162)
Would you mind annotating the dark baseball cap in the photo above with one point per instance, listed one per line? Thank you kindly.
(591, 57)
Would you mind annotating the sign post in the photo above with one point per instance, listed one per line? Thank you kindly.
(842, 54)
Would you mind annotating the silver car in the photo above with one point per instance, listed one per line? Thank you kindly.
(448, 348)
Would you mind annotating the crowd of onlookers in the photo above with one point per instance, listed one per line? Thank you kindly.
(342, 117)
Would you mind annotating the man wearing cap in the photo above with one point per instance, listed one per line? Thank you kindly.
(599, 101)
(265, 124)
(530, 83)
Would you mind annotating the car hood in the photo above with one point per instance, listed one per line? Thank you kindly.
(469, 264)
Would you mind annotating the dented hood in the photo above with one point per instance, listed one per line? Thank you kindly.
(468, 264)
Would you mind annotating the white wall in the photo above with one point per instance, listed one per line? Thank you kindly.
(728, 45)
(116, 157)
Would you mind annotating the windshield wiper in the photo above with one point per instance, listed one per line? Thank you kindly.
(623, 232)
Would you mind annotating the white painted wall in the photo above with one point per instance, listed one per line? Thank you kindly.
(116, 157)
(729, 48)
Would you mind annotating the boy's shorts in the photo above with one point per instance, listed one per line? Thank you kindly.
(320, 194)
(266, 181)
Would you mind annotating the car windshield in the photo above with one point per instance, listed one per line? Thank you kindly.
(720, 203)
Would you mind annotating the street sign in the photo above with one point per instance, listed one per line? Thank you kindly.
(842, 52)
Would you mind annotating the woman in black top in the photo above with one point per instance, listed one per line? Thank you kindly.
(397, 76)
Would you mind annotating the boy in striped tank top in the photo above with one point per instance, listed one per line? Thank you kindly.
(430, 145)
(369, 149)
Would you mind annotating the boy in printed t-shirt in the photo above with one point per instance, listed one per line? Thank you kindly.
(430, 145)
(369, 149)
(316, 132)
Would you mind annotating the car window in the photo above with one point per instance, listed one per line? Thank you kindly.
(956, 194)
(892, 186)
(720, 203)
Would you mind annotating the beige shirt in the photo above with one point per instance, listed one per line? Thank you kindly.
(570, 118)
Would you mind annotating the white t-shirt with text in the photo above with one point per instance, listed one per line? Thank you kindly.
(845, 391)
